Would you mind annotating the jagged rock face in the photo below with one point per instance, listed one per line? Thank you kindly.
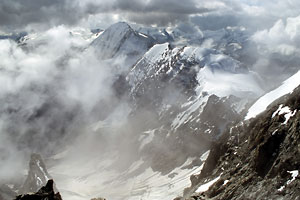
(45, 193)
(191, 139)
(160, 67)
(187, 111)
(260, 159)
(177, 85)
(37, 175)
(181, 80)
(214, 124)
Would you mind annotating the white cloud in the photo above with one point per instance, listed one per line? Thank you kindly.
(57, 77)
(283, 37)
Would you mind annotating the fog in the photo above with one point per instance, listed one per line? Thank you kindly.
(49, 90)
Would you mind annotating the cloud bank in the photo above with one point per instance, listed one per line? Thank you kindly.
(45, 13)
(50, 90)
(213, 14)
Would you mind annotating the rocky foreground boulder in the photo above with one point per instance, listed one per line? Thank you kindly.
(45, 193)
(256, 159)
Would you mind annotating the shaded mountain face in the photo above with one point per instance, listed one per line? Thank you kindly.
(121, 41)
(37, 175)
(190, 99)
(181, 80)
(257, 159)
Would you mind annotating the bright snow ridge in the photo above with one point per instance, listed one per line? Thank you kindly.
(261, 104)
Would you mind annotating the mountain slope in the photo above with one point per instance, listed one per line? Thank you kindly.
(181, 80)
(37, 175)
(258, 159)
(121, 40)
(261, 104)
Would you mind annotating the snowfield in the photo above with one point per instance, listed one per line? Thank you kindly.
(86, 179)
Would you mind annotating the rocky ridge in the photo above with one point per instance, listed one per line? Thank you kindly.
(256, 159)
(37, 176)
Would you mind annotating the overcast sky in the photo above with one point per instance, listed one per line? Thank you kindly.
(43, 14)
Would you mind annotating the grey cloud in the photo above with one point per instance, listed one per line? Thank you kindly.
(48, 90)
(18, 14)
(161, 13)
(22, 13)
(215, 22)
(152, 6)
(160, 19)
(171, 6)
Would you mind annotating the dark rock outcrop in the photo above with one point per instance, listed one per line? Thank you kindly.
(45, 193)
(256, 159)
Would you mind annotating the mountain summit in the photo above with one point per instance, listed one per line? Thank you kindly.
(37, 175)
(121, 40)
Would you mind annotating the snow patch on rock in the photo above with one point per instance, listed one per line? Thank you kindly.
(286, 111)
(206, 186)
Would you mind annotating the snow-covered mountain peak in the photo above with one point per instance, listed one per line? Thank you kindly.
(119, 29)
(156, 51)
(120, 40)
(112, 38)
